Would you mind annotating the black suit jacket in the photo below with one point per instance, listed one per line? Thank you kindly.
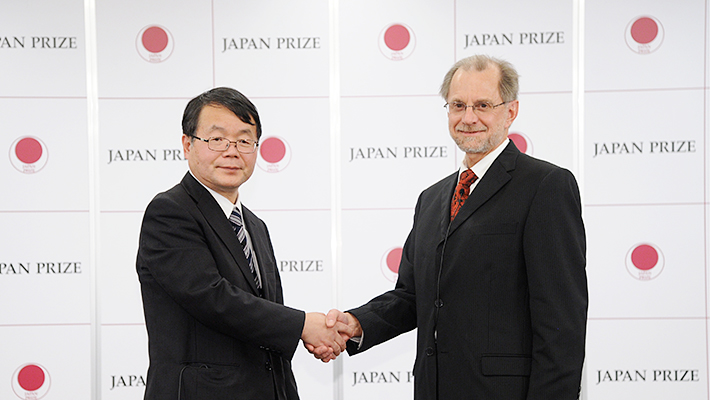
(499, 295)
(210, 335)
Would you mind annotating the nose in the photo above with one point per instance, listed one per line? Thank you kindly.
(232, 150)
(469, 116)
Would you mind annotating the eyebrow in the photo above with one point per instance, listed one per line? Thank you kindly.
(475, 102)
(222, 129)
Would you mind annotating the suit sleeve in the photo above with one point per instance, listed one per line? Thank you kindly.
(554, 250)
(175, 259)
(391, 313)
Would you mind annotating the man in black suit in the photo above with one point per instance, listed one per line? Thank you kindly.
(212, 296)
(493, 271)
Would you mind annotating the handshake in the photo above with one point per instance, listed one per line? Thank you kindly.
(325, 335)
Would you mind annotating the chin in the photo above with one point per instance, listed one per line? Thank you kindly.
(472, 146)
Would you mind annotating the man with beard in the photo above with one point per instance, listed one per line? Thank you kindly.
(493, 271)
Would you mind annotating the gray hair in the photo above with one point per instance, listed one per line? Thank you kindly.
(508, 85)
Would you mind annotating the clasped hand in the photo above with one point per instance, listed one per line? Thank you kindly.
(325, 336)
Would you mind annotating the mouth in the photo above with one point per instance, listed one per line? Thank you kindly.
(468, 132)
(470, 129)
(229, 168)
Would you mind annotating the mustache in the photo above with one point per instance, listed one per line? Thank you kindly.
(469, 128)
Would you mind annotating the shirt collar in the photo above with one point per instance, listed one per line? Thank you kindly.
(482, 166)
(224, 203)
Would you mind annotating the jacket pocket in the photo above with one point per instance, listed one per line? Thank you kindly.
(209, 381)
(506, 365)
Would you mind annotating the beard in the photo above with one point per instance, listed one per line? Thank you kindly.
(479, 144)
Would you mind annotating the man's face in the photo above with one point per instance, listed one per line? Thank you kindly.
(478, 134)
(223, 171)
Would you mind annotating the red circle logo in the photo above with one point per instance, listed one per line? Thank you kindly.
(644, 257)
(644, 34)
(390, 263)
(155, 39)
(397, 42)
(28, 154)
(272, 150)
(396, 37)
(645, 261)
(522, 142)
(275, 154)
(30, 381)
(31, 378)
(644, 30)
(28, 150)
(394, 257)
(155, 43)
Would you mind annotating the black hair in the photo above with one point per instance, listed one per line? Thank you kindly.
(230, 99)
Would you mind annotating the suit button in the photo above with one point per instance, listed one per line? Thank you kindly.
(429, 351)
(439, 303)
(268, 366)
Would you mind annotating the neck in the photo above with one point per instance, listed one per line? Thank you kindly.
(473, 158)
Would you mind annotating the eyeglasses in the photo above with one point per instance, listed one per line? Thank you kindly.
(244, 146)
(459, 107)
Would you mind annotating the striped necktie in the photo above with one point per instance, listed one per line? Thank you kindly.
(238, 226)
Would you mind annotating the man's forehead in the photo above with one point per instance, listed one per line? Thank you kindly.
(219, 127)
(211, 107)
(490, 74)
(481, 83)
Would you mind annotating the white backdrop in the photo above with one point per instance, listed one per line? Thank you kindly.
(91, 98)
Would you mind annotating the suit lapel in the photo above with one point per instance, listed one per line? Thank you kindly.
(219, 224)
(495, 178)
(445, 204)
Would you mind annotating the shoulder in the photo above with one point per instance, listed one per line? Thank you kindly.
(444, 184)
(251, 219)
(547, 183)
(430, 198)
(537, 170)
(187, 191)
(174, 195)
(174, 203)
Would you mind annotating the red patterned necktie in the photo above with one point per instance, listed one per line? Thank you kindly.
(462, 191)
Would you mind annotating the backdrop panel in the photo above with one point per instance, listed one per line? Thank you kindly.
(272, 48)
(372, 249)
(385, 372)
(154, 48)
(544, 128)
(45, 272)
(636, 45)
(42, 55)
(293, 167)
(634, 157)
(140, 151)
(651, 359)
(535, 36)
(394, 48)
(46, 162)
(120, 296)
(648, 267)
(124, 362)
(302, 248)
(51, 361)
(386, 143)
